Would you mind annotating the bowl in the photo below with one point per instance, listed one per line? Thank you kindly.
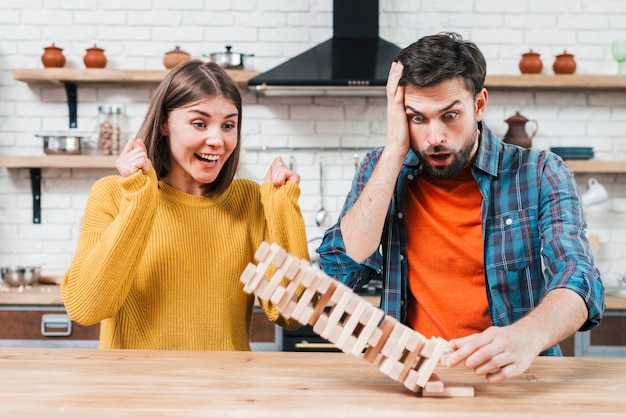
(62, 142)
(16, 276)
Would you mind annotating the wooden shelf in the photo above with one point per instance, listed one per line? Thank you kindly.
(104, 75)
(553, 81)
(89, 161)
(596, 166)
(58, 161)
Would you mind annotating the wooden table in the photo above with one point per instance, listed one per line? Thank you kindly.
(92, 383)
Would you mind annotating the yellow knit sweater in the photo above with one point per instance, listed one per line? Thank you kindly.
(159, 269)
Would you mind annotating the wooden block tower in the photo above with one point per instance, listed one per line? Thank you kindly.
(351, 323)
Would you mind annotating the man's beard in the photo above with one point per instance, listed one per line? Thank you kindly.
(458, 162)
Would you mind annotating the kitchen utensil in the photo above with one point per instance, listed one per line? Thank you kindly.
(229, 59)
(53, 57)
(530, 63)
(321, 214)
(62, 142)
(517, 131)
(95, 58)
(564, 64)
(174, 57)
(596, 193)
(618, 49)
(21, 276)
(573, 153)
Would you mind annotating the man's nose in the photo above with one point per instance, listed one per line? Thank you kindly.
(435, 134)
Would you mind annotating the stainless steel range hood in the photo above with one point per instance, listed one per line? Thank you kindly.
(354, 62)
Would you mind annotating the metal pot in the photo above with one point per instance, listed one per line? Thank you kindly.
(229, 59)
(62, 143)
(21, 276)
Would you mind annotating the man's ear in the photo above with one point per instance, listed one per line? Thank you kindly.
(480, 103)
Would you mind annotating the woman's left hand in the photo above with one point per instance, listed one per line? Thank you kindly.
(279, 174)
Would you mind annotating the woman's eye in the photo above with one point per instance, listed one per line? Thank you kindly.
(229, 125)
(198, 124)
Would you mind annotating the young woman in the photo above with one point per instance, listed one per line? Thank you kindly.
(163, 244)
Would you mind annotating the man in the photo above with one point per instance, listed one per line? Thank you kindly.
(459, 225)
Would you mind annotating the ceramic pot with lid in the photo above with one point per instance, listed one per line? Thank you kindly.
(516, 134)
(53, 57)
(95, 58)
(530, 63)
(174, 57)
(564, 64)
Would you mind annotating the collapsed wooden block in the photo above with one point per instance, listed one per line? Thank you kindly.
(302, 292)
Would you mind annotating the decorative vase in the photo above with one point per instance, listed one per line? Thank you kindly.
(53, 57)
(94, 58)
(175, 57)
(564, 64)
(530, 63)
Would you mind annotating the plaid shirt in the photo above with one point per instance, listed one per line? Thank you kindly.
(531, 212)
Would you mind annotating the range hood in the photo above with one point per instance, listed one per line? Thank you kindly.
(354, 62)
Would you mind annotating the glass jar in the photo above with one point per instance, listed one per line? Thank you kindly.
(109, 129)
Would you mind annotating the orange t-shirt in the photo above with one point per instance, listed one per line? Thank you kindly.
(447, 295)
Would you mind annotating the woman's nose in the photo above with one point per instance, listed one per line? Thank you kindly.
(213, 137)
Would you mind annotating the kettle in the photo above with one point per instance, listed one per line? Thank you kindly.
(516, 134)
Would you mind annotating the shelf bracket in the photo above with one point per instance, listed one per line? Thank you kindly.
(72, 102)
(35, 184)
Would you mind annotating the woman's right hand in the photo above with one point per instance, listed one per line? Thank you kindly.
(133, 157)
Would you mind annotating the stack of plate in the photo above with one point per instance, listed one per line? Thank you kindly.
(573, 153)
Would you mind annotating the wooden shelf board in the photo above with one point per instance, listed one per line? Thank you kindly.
(556, 81)
(596, 166)
(90, 161)
(58, 161)
(104, 75)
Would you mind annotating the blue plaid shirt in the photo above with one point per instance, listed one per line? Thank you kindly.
(530, 212)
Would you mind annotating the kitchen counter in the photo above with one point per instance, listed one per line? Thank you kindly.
(82, 382)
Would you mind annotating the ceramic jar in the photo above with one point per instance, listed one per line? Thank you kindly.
(175, 57)
(530, 63)
(516, 133)
(53, 57)
(95, 58)
(564, 64)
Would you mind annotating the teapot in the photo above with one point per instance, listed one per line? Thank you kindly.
(516, 134)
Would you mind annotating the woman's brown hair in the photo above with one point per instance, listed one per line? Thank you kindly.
(189, 83)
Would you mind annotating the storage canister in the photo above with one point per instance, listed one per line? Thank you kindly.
(109, 129)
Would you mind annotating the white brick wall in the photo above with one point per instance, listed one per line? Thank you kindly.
(136, 34)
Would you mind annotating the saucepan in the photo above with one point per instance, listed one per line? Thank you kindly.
(229, 59)
(62, 142)
(20, 276)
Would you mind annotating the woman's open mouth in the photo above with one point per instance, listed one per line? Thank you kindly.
(208, 158)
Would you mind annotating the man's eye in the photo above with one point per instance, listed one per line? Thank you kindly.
(450, 115)
(416, 118)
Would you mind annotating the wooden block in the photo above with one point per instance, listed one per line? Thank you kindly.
(335, 312)
(263, 251)
(428, 366)
(290, 290)
(261, 270)
(451, 390)
(351, 323)
(334, 328)
(372, 317)
(326, 288)
(371, 353)
(306, 298)
(434, 384)
(248, 274)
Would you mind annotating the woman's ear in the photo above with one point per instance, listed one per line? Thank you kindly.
(164, 129)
